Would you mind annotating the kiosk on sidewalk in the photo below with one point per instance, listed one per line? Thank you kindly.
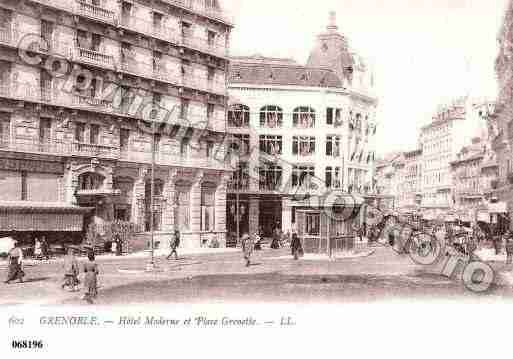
(330, 229)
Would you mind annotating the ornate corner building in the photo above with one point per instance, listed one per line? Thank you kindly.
(82, 84)
(299, 129)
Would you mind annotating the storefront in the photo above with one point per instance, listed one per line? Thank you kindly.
(55, 221)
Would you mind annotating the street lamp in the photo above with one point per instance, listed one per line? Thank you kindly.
(151, 265)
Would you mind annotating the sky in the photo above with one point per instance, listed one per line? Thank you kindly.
(424, 52)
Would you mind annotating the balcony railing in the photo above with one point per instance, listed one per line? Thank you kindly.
(216, 86)
(94, 150)
(203, 44)
(95, 11)
(163, 158)
(202, 8)
(92, 103)
(136, 67)
(94, 57)
(161, 73)
(8, 35)
(146, 27)
(29, 92)
(20, 91)
(59, 148)
(166, 33)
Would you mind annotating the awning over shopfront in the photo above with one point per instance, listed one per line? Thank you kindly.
(24, 216)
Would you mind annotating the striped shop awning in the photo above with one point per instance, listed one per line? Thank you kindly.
(41, 217)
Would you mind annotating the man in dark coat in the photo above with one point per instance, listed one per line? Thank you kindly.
(296, 247)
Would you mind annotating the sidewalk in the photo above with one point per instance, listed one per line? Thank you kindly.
(142, 254)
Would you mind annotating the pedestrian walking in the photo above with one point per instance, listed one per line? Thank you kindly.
(15, 268)
(71, 271)
(114, 246)
(247, 248)
(296, 247)
(45, 250)
(497, 242)
(471, 247)
(90, 279)
(119, 244)
(174, 243)
(38, 254)
(509, 248)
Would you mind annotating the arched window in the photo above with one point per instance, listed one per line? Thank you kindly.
(238, 116)
(303, 117)
(271, 116)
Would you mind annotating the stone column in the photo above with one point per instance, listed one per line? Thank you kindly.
(220, 209)
(138, 210)
(254, 215)
(168, 210)
(286, 215)
(195, 198)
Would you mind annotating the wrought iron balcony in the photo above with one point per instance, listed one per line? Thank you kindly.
(59, 148)
(20, 91)
(92, 103)
(161, 73)
(94, 150)
(149, 28)
(93, 57)
(203, 9)
(95, 11)
(166, 158)
(205, 45)
(8, 36)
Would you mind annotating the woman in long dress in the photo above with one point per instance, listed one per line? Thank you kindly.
(247, 248)
(90, 279)
(15, 269)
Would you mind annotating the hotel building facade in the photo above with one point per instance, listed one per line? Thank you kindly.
(299, 129)
(82, 84)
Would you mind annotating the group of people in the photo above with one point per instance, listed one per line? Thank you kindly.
(248, 244)
(72, 271)
(41, 249)
(71, 268)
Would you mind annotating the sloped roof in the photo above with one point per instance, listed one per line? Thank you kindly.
(260, 73)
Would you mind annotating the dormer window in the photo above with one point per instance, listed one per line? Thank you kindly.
(324, 47)
(304, 77)
(271, 76)
(237, 76)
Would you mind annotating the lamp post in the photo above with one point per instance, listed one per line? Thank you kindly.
(151, 265)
